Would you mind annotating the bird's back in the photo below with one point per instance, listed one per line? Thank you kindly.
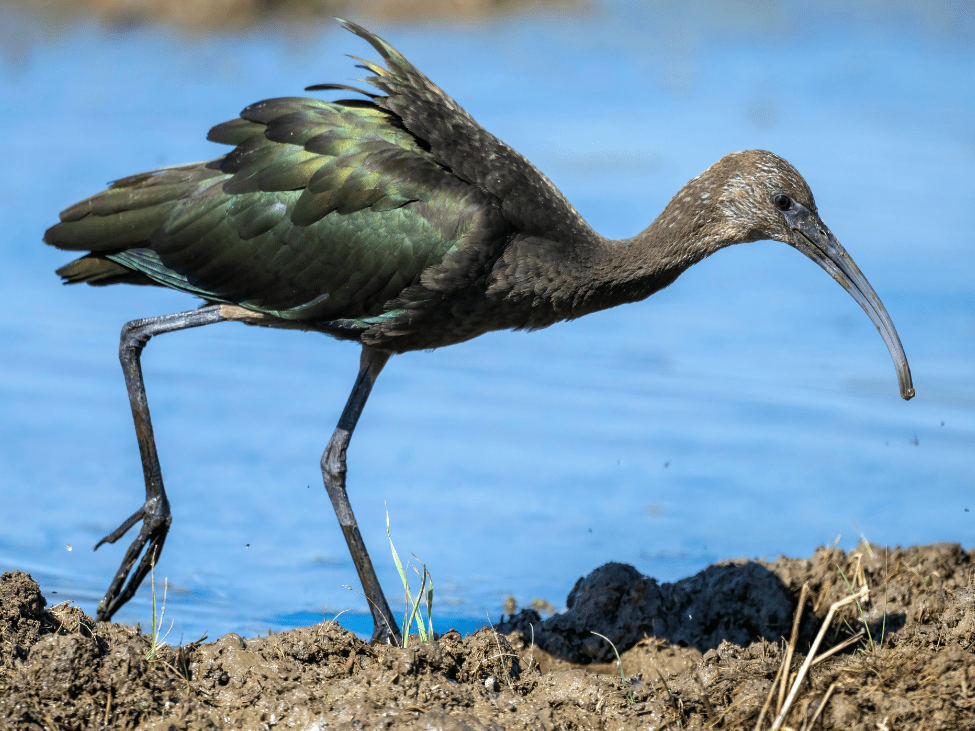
(379, 219)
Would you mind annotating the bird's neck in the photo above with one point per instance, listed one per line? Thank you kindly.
(544, 281)
(630, 270)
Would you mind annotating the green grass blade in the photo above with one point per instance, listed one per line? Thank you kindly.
(429, 601)
(863, 615)
(151, 655)
(413, 613)
(415, 610)
(425, 580)
(406, 583)
(619, 664)
(399, 564)
(412, 605)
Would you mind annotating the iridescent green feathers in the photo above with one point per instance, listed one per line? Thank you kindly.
(385, 214)
(343, 157)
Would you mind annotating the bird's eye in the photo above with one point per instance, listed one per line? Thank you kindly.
(782, 202)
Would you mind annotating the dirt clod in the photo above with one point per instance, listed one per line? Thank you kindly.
(701, 653)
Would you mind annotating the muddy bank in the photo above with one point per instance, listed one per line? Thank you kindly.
(701, 653)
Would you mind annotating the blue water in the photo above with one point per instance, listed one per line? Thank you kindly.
(751, 409)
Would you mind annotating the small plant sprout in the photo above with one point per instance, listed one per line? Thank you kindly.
(619, 664)
(869, 644)
(156, 644)
(507, 669)
(502, 654)
(334, 620)
(413, 614)
(863, 539)
(675, 703)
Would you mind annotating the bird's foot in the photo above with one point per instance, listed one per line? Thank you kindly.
(156, 519)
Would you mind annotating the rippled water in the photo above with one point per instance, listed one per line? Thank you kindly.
(750, 409)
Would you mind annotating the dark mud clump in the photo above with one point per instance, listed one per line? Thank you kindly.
(701, 653)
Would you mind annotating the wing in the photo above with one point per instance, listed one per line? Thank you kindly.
(528, 200)
(324, 210)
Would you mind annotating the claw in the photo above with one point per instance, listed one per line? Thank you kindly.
(155, 527)
(122, 529)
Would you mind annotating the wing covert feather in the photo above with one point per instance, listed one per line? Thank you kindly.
(527, 198)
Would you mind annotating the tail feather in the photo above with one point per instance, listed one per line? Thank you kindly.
(101, 233)
(99, 272)
(129, 212)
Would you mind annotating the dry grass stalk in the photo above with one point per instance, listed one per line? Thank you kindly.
(768, 699)
(840, 647)
(793, 641)
(822, 704)
(783, 674)
(864, 593)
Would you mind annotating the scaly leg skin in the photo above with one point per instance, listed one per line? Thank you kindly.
(333, 472)
(155, 515)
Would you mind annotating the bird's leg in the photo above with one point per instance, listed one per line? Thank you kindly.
(155, 515)
(333, 471)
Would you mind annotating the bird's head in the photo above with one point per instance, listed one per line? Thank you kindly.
(755, 195)
(752, 190)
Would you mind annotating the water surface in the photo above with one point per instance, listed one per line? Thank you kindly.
(751, 409)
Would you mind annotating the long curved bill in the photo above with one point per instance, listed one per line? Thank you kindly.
(815, 240)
